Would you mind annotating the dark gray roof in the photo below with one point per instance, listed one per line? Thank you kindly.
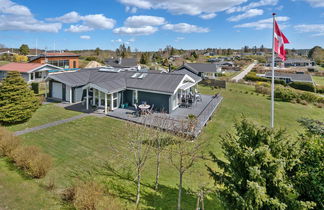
(115, 81)
(186, 71)
(200, 67)
(292, 77)
(297, 60)
(121, 62)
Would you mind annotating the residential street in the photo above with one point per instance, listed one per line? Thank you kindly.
(244, 72)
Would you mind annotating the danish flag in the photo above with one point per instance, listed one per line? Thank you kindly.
(279, 41)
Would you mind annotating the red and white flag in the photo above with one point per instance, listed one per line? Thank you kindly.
(279, 41)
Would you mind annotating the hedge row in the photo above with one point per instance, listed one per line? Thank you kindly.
(28, 158)
(307, 86)
(289, 94)
(251, 76)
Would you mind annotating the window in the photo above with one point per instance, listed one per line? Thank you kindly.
(38, 75)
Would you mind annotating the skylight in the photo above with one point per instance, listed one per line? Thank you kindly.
(136, 75)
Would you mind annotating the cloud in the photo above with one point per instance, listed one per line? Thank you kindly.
(71, 17)
(145, 30)
(140, 21)
(18, 17)
(263, 24)
(179, 38)
(253, 5)
(189, 7)
(9, 7)
(79, 28)
(316, 29)
(86, 37)
(185, 28)
(316, 3)
(89, 22)
(248, 14)
(208, 16)
(117, 41)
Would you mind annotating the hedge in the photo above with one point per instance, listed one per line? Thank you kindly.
(251, 76)
(307, 86)
(320, 89)
(289, 94)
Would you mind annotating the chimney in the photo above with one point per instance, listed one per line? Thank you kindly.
(169, 68)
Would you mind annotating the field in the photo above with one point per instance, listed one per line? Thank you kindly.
(94, 147)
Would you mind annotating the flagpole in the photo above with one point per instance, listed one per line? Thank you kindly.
(272, 78)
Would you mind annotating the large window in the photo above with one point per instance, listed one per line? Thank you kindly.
(60, 63)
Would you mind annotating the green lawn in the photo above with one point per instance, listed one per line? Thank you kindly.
(45, 114)
(3, 62)
(18, 192)
(318, 80)
(90, 143)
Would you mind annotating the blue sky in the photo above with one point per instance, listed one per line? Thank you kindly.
(153, 24)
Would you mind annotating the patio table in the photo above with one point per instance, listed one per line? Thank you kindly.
(144, 108)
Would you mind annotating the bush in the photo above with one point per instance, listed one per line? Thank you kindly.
(320, 89)
(251, 76)
(88, 195)
(289, 94)
(8, 142)
(32, 161)
(307, 86)
(35, 87)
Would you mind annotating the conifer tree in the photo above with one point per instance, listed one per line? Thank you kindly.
(17, 100)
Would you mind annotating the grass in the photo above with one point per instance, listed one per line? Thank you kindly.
(4, 62)
(318, 80)
(45, 114)
(92, 146)
(19, 192)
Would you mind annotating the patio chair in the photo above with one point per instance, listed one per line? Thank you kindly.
(151, 109)
(137, 111)
(198, 98)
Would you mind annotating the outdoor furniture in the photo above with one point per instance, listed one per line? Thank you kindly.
(150, 111)
(137, 111)
(144, 108)
(198, 98)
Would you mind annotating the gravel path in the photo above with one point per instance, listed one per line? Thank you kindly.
(245, 72)
(28, 130)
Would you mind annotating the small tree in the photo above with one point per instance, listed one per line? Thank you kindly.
(17, 100)
(97, 51)
(24, 49)
(256, 173)
(184, 153)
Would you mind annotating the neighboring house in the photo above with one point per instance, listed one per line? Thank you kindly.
(175, 57)
(203, 70)
(209, 54)
(31, 72)
(63, 60)
(110, 88)
(122, 63)
(298, 62)
(7, 52)
(290, 77)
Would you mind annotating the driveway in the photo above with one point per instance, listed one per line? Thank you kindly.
(244, 72)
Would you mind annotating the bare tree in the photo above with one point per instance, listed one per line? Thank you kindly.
(184, 153)
(139, 145)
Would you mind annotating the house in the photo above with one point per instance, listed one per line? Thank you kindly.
(175, 57)
(122, 63)
(63, 60)
(203, 70)
(290, 77)
(291, 62)
(112, 88)
(31, 72)
(209, 54)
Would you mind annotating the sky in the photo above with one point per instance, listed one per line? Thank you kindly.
(149, 25)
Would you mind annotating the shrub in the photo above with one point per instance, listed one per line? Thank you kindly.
(289, 94)
(8, 142)
(307, 86)
(320, 89)
(263, 89)
(88, 195)
(35, 87)
(303, 102)
(32, 161)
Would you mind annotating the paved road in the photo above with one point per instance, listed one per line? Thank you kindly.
(244, 72)
(28, 130)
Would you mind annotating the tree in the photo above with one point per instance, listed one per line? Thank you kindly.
(24, 49)
(317, 54)
(139, 145)
(20, 58)
(309, 179)
(184, 152)
(97, 51)
(17, 100)
(246, 49)
(256, 173)
(262, 49)
(145, 58)
(194, 55)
